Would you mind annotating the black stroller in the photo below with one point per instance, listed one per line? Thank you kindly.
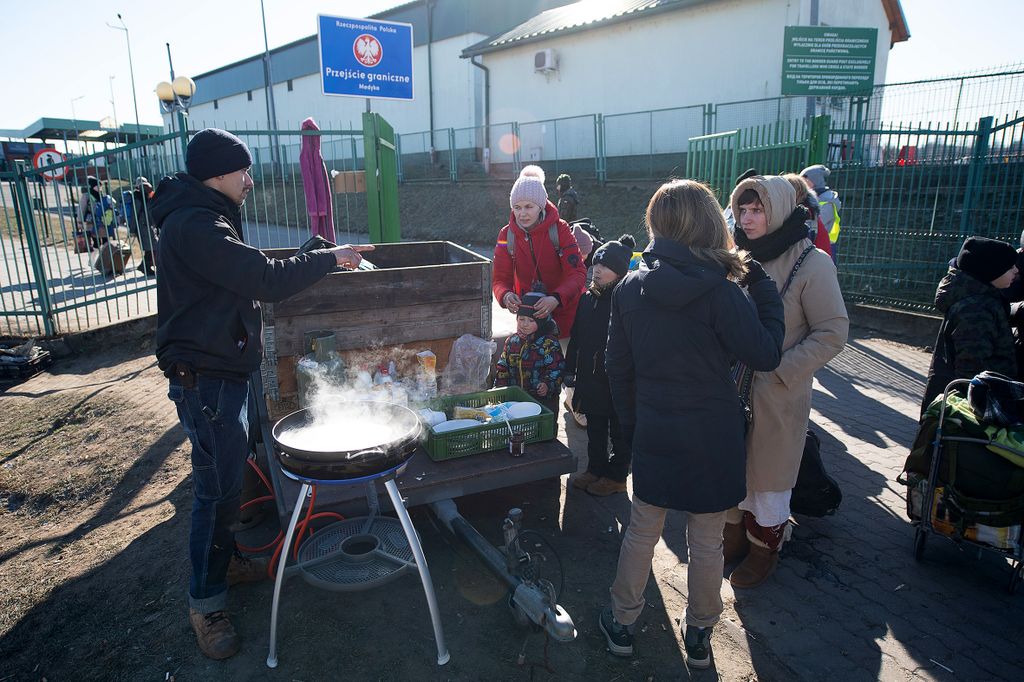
(965, 480)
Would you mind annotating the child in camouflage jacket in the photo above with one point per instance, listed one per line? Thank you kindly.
(532, 357)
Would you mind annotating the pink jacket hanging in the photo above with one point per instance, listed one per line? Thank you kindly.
(316, 184)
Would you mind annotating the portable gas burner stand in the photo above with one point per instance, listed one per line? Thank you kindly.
(533, 598)
(419, 560)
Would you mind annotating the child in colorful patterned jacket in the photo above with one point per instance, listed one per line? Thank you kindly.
(532, 357)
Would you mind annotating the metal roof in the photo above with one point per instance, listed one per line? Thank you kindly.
(82, 130)
(579, 16)
(588, 14)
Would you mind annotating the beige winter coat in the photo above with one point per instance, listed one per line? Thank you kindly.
(816, 329)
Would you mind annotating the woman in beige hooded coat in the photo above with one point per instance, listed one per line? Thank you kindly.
(772, 228)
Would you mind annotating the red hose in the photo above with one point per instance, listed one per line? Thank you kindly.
(278, 542)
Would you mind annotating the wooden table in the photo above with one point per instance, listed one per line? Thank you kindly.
(425, 480)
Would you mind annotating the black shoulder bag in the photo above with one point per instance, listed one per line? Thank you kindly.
(743, 375)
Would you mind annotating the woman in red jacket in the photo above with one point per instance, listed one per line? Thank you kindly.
(537, 252)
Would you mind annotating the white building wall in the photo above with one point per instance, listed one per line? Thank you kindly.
(456, 86)
(717, 52)
(649, 78)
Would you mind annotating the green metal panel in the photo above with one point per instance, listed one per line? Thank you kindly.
(911, 194)
(381, 179)
(979, 158)
(32, 242)
(712, 160)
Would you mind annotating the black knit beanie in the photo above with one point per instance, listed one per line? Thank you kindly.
(986, 259)
(528, 308)
(212, 152)
(749, 173)
(615, 255)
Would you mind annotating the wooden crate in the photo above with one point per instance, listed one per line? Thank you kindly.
(349, 182)
(423, 296)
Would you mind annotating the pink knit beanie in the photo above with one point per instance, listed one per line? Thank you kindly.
(529, 187)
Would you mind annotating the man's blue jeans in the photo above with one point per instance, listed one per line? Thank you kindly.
(214, 414)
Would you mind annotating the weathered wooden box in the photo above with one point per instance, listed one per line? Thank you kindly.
(422, 296)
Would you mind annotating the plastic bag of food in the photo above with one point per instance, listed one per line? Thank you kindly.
(469, 365)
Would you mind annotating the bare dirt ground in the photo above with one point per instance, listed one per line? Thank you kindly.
(94, 508)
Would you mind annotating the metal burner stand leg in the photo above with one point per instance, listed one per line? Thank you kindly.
(299, 503)
(421, 563)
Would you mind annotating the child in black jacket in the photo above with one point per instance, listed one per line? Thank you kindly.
(606, 472)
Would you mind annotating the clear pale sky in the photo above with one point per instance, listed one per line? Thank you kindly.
(55, 50)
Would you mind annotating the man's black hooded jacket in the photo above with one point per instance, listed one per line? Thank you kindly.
(209, 281)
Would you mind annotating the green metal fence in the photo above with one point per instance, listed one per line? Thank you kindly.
(912, 194)
(48, 283)
(780, 147)
(653, 143)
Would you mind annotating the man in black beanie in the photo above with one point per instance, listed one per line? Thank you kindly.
(209, 340)
(975, 334)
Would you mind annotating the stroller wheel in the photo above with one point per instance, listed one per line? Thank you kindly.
(919, 541)
(1015, 577)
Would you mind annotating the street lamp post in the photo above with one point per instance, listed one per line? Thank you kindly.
(74, 117)
(175, 98)
(74, 120)
(110, 80)
(131, 71)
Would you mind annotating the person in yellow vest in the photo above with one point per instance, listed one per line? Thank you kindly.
(816, 177)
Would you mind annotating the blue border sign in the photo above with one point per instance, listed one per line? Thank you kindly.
(365, 57)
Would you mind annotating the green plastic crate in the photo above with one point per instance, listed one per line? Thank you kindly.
(489, 436)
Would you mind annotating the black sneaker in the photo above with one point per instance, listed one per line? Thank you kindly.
(698, 646)
(618, 636)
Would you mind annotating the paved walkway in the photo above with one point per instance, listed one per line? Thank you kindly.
(848, 602)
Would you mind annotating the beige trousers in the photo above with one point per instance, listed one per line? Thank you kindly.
(703, 573)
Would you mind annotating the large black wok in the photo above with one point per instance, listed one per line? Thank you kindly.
(341, 464)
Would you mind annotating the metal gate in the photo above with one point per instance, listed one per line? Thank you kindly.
(48, 284)
(781, 147)
(381, 179)
(912, 194)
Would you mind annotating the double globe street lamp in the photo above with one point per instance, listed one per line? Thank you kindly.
(176, 98)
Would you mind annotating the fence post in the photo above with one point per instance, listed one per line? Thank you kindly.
(709, 118)
(398, 157)
(650, 143)
(183, 129)
(976, 172)
(453, 167)
(599, 160)
(555, 133)
(818, 147)
(35, 253)
(517, 157)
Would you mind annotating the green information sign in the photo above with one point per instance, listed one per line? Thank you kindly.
(825, 60)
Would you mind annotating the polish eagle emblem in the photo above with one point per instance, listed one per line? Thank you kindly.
(367, 50)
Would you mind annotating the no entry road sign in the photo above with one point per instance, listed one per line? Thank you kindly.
(365, 57)
(48, 157)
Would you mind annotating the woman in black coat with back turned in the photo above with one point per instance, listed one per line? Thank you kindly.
(676, 328)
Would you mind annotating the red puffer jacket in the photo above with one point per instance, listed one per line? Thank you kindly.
(536, 258)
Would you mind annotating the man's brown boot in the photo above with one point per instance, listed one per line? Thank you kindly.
(216, 637)
(603, 487)
(244, 569)
(735, 543)
(584, 479)
(755, 569)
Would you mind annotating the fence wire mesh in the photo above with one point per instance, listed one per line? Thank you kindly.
(919, 167)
